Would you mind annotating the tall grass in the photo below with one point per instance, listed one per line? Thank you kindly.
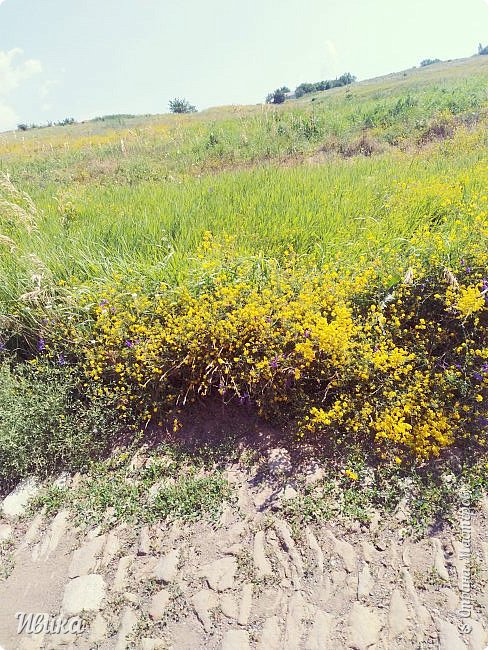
(142, 208)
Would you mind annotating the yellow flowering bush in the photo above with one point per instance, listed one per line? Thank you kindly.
(406, 372)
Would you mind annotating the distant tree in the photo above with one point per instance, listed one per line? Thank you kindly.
(22, 127)
(344, 80)
(427, 62)
(66, 122)
(181, 106)
(278, 96)
(303, 89)
(482, 50)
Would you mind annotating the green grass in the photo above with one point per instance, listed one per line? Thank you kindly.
(141, 207)
(171, 485)
(371, 175)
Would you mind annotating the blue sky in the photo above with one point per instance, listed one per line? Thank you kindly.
(84, 58)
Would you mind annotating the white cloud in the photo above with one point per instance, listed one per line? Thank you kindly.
(13, 71)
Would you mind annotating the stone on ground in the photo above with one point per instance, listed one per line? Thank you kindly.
(236, 640)
(83, 593)
(398, 614)
(167, 567)
(449, 637)
(203, 602)
(85, 559)
(15, 503)
(220, 573)
(158, 604)
(364, 627)
(128, 623)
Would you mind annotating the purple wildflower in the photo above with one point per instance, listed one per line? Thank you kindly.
(484, 289)
(41, 346)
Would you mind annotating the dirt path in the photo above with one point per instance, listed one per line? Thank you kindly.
(248, 581)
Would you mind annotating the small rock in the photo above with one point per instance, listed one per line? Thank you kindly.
(246, 604)
(365, 582)
(449, 637)
(338, 578)
(110, 550)
(144, 542)
(203, 602)
(401, 513)
(236, 640)
(33, 529)
(294, 621)
(127, 626)
(167, 567)
(478, 637)
(84, 559)
(261, 562)
(374, 522)
(158, 605)
(315, 547)
(120, 577)
(220, 574)
(56, 533)
(452, 599)
(345, 551)
(228, 606)
(144, 568)
(283, 531)
(370, 554)
(365, 626)
(15, 503)
(83, 593)
(398, 614)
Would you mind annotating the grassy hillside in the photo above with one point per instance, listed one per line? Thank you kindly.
(324, 260)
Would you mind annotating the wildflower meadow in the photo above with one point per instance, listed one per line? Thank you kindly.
(324, 263)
